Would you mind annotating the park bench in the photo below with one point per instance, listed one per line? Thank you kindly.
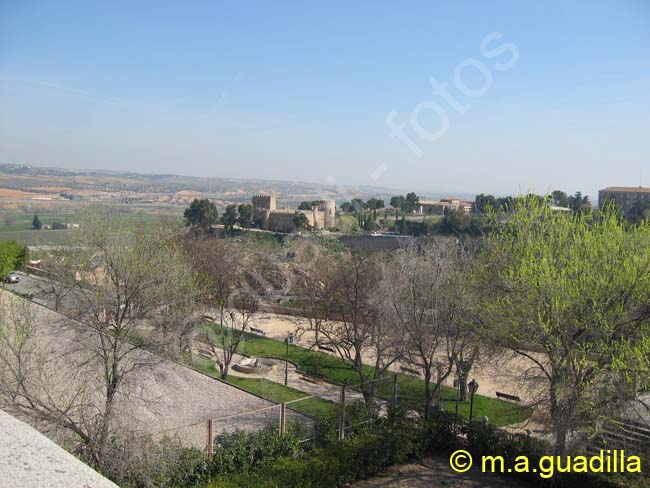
(508, 396)
(206, 353)
(406, 369)
(312, 376)
(311, 379)
(325, 348)
(257, 331)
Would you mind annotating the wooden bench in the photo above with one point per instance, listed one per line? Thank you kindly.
(406, 369)
(311, 379)
(205, 353)
(257, 331)
(507, 396)
(325, 348)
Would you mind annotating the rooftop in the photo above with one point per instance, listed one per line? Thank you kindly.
(627, 189)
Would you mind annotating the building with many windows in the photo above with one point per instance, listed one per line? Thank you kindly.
(625, 197)
(444, 206)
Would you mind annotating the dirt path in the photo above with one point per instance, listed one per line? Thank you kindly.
(296, 380)
(503, 373)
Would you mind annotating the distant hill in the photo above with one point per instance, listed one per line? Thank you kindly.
(24, 176)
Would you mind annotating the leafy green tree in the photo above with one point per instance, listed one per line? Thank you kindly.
(579, 203)
(301, 221)
(13, 256)
(571, 295)
(375, 204)
(397, 202)
(36, 223)
(505, 204)
(638, 212)
(201, 213)
(230, 218)
(304, 206)
(560, 198)
(482, 203)
(346, 207)
(6, 262)
(411, 202)
(456, 222)
(358, 205)
(245, 215)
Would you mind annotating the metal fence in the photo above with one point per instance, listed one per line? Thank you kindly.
(340, 415)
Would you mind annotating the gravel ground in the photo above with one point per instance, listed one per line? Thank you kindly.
(162, 397)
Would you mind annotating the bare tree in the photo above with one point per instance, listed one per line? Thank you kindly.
(308, 286)
(58, 277)
(354, 327)
(8, 218)
(421, 289)
(45, 382)
(223, 264)
(126, 281)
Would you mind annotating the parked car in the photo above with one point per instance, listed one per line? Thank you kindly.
(13, 278)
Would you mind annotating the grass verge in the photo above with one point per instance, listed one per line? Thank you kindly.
(410, 388)
(275, 392)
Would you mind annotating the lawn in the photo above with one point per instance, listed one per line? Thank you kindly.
(17, 224)
(410, 388)
(277, 393)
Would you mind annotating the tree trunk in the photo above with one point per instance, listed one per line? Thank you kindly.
(368, 391)
(427, 393)
(191, 351)
(558, 420)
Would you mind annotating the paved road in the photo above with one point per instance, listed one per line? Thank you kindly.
(33, 286)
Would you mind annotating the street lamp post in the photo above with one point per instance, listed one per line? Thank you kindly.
(288, 340)
(458, 372)
(473, 388)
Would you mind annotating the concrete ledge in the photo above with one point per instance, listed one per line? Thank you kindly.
(28, 459)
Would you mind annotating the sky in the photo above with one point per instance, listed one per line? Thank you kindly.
(464, 96)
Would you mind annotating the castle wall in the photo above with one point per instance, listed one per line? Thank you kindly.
(265, 211)
(267, 202)
(328, 210)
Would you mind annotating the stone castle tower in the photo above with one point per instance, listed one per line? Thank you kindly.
(265, 211)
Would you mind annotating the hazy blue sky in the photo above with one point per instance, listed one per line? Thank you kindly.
(294, 90)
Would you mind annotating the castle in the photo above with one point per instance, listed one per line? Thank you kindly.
(321, 216)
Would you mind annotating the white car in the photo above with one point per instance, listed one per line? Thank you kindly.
(13, 278)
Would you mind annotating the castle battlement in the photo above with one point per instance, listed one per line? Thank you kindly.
(321, 216)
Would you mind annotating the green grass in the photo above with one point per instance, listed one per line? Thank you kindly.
(18, 226)
(313, 407)
(348, 224)
(411, 389)
(23, 221)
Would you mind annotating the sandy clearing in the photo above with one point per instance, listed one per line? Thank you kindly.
(507, 372)
(493, 373)
(19, 194)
